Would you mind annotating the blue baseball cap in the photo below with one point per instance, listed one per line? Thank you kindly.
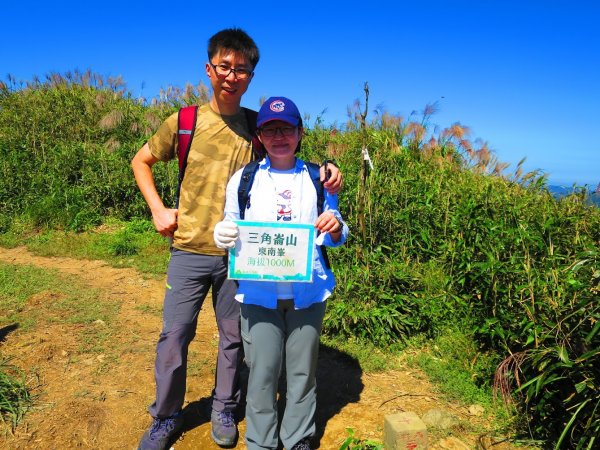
(278, 108)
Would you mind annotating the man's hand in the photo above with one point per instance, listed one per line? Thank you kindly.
(331, 178)
(225, 234)
(165, 221)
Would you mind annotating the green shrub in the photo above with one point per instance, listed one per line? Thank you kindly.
(129, 240)
(65, 148)
(436, 241)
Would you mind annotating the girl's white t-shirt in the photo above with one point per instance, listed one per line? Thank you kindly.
(284, 193)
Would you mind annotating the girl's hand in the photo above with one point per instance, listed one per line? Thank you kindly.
(225, 234)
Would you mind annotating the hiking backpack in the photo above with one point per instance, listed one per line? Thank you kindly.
(249, 173)
(186, 125)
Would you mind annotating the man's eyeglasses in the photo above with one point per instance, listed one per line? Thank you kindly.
(270, 132)
(223, 71)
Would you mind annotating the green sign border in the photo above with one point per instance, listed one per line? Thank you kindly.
(237, 274)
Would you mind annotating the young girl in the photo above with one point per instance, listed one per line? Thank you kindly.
(281, 318)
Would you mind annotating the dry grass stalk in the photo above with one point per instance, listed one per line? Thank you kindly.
(111, 145)
(111, 120)
(508, 370)
(415, 130)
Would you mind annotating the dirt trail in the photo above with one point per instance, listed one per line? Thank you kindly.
(98, 399)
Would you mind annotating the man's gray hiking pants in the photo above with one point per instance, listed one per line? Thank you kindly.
(189, 278)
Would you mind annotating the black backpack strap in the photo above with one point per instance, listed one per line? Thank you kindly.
(246, 181)
(315, 175)
(258, 150)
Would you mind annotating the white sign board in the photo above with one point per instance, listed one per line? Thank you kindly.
(272, 251)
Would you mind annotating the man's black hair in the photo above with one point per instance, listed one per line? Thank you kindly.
(237, 40)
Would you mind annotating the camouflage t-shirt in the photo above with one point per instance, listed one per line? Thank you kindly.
(220, 147)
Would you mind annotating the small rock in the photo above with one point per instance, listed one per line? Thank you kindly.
(99, 322)
(476, 410)
(452, 443)
(439, 418)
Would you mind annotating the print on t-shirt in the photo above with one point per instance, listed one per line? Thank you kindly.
(284, 205)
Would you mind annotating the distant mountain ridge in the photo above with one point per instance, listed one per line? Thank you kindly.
(561, 191)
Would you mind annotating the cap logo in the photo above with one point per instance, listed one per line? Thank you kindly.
(277, 106)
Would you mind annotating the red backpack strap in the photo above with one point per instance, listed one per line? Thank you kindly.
(186, 125)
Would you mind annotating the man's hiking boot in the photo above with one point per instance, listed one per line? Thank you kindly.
(304, 444)
(223, 428)
(161, 433)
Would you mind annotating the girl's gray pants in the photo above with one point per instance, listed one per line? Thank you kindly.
(271, 336)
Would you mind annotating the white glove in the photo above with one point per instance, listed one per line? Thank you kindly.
(225, 234)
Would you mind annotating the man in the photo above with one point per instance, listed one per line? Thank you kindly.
(221, 146)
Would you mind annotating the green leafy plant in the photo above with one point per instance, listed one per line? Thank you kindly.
(354, 443)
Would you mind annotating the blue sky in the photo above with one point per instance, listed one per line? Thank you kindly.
(522, 75)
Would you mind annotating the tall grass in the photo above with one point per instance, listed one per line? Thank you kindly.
(65, 145)
(449, 238)
(445, 238)
(15, 398)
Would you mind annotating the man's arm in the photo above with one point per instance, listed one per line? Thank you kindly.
(165, 219)
(331, 177)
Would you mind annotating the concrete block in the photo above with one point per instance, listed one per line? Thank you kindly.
(404, 431)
